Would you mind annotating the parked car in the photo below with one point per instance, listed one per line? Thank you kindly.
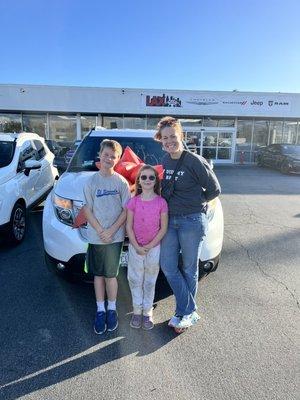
(285, 157)
(27, 175)
(59, 152)
(65, 247)
(69, 154)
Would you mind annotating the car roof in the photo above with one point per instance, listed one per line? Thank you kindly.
(12, 136)
(144, 133)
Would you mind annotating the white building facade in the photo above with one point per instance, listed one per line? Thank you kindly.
(227, 127)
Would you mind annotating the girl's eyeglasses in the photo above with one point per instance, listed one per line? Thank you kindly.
(144, 177)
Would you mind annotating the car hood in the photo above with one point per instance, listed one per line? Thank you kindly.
(70, 185)
(6, 173)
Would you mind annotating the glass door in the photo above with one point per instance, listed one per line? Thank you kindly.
(218, 145)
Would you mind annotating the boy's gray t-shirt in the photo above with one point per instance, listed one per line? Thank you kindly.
(195, 184)
(106, 196)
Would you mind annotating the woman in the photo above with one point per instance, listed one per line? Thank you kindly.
(188, 184)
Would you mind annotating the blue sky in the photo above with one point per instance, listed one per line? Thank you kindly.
(197, 45)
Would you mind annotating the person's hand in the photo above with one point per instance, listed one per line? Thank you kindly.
(148, 247)
(141, 250)
(107, 235)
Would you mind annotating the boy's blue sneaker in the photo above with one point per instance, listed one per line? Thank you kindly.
(112, 320)
(100, 322)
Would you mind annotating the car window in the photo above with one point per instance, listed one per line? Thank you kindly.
(7, 151)
(291, 150)
(147, 149)
(40, 149)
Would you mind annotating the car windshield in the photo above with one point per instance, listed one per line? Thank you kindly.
(86, 156)
(291, 150)
(7, 150)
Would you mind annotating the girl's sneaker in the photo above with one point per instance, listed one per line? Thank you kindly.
(147, 322)
(136, 321)
(188, 320)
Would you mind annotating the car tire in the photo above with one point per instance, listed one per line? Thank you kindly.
(284, 168)
(17, 225)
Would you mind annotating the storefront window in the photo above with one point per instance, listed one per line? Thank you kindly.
(243, 141)
(87, 123)
(134, 122)
(191, 122)
(10, 123)
(218, 122)
(276, 131)
(36, 123)
(63, 128)
(261, 133)
(114, 122)
(152, 122)
(289, 132)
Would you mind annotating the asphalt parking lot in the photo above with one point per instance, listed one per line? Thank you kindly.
(245, 347)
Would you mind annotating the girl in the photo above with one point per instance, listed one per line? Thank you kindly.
(147, 221)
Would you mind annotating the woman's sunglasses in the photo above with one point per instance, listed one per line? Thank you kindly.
(144, 177)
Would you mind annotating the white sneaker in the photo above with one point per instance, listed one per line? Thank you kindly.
(174, 321)
(188, 320)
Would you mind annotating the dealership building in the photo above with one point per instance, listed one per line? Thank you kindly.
(228, 127)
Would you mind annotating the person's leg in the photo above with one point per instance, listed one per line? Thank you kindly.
(169, 256)
(191, 233)
(111, 269)
(135, 275)
(150, 277)
(111, 285)
(99, 286)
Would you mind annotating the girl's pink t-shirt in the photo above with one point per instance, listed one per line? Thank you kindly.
(146, 217)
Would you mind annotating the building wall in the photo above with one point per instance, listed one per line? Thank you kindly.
(67, 113)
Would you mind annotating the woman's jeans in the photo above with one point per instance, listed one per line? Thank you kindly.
(185, 233)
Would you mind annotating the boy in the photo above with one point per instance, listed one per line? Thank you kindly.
(106, 194)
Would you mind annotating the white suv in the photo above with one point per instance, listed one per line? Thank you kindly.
(65, 247)
(27, 175)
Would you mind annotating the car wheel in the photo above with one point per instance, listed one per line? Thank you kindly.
(284, 169)
(17, 225)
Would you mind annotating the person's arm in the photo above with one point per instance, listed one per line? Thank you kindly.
(130, 233)
(92, 220)
(161, 233)
(207, 179)
(107, 234)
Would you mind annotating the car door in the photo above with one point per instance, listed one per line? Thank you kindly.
(45, 180)
(26, 184)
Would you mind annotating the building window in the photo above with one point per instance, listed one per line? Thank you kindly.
(10, 123)
(243, 140)
(152, 122)
(87, 123)
(276, 132)
(191, 122)
(134, 122)
(63, 128)
(36, 123)
(113, 122)
(289, 132)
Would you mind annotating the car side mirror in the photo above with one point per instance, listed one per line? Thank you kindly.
(31, 164)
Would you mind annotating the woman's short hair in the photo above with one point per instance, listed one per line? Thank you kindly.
(170, 122)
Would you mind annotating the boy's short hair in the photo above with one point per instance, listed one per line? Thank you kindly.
(112, 144)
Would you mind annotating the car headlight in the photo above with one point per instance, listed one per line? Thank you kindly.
(63, 209)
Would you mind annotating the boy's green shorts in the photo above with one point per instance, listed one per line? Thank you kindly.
(103, 259)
